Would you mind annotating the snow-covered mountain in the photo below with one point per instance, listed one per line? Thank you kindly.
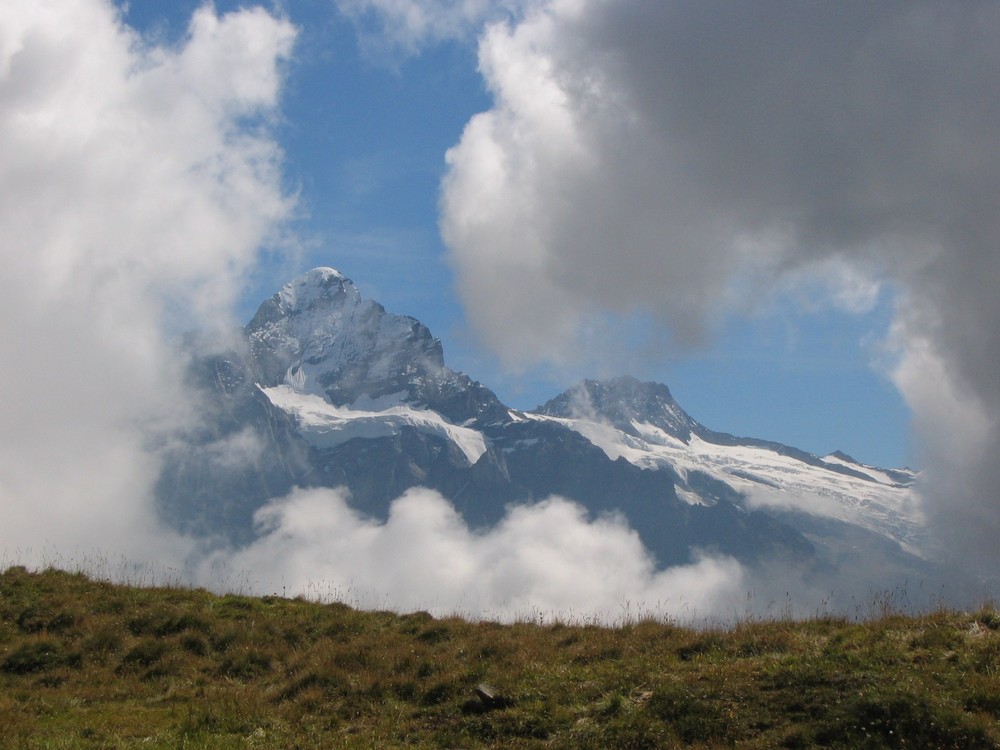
(643, 424)
(318, 336)
(324, 388)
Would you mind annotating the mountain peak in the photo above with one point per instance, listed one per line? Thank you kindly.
(621, 402)
(319, 288)
(320, 336)
(319, 283)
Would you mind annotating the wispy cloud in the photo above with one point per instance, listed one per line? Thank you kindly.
(399, 28)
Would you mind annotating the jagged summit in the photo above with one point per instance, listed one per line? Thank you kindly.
(624, 403)
(318, 289)
(319, 336)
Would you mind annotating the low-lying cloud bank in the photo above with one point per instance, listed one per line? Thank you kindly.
(542, 561)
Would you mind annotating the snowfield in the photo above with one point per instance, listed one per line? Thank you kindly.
(833, 488)
(325, 426)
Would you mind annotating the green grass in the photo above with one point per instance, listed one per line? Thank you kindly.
(88, 664)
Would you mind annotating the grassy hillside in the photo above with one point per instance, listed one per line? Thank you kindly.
(92, 665)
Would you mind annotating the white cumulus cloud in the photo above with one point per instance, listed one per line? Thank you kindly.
(547, 560)
(140, 183)
(687, 160)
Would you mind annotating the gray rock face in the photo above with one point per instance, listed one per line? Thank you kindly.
(318, 335)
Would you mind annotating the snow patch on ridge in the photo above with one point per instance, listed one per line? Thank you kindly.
(325, 426)
(766, 478)
(876, 474)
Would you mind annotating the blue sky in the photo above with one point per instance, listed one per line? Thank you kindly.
(365, 132)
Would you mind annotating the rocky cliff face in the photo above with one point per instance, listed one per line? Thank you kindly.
(326, 389)
(319, 336)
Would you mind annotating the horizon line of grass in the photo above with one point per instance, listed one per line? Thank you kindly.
(94, 664)
(878, 603)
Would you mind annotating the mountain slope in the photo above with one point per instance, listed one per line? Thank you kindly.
(326, 389)
(642, 423)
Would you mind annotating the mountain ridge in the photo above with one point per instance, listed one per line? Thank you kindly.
(327, 389)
